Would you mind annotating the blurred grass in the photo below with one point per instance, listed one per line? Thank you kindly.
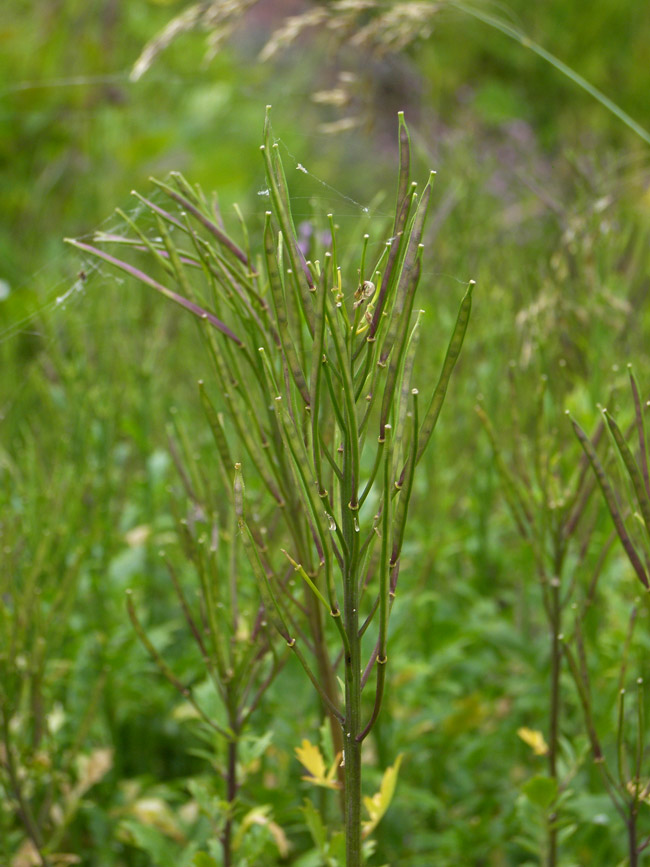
(542, 198)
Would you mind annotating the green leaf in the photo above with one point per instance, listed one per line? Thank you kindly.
(541, 791)
(202, 859)
(262, 816)
(156, 844)
(336, 850)
(315, 825)
(254, 746)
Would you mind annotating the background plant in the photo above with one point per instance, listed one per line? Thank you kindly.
(374, 29)
(540, 195)
(47, 759)
(230, 630)
(629, 508)
(548, 491)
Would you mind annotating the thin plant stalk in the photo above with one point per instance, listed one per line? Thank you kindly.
(549, 529)
(633, 498)
(309, 361)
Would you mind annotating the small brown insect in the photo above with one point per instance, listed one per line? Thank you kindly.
(365, 291)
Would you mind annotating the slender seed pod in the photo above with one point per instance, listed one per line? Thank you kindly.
(279, 304)
(451, 357)
(633, 470)
(612, 504)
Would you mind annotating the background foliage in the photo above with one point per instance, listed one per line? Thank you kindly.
(541, 197)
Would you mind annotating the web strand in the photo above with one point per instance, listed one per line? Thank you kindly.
(65, 291)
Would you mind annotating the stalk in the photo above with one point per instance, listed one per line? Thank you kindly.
(352, 745)
(232, 786)
(352, 725)
(550, 530)
(299, 377)
(22, 804)
(231, 794)
(327, 676)
(631, 840)
(554, 707)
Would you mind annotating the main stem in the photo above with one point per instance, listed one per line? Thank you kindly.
(554, 714)
(353, 723)
(554, 720)
(22, 805)
(231, 791)
(327, 675)
(631, 839)
(352, 727)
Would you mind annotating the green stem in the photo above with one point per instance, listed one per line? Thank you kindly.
(231, 795)
(631, 839)
(328, 680)
(352, 724)
(352, 727)
(554, 710)
(22, 805)
(555, 676)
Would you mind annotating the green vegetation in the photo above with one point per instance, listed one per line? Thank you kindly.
(318, 396)
(155, 710)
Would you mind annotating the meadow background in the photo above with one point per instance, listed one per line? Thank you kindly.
(542, 196)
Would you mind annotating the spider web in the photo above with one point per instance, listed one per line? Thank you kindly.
(310, 195)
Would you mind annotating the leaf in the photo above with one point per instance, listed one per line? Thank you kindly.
(151, 841)
(202, 859)
(315, 825)
(92, 769)
(380, 801)
(637, 790)
(253, 746)
(27, 856)
(209, 805)
(534, 739)
(541, 791)
(310, 757)
(262, 816)
(156, 813)
(337, 848)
